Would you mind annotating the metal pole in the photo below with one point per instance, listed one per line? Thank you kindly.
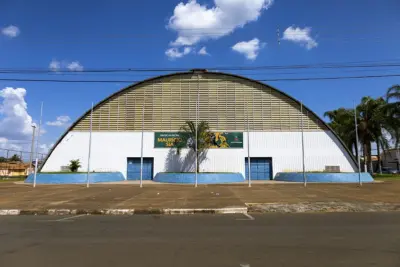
(37, 145)
(248, 144)
(302, 146)
(196, 141)
(90, 147)
(365, 158)
(32, 147)
(358, 152)
(141, 150)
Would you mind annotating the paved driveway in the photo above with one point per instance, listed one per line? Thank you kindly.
(131, 196)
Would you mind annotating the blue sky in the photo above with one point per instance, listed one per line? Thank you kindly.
(137, 34)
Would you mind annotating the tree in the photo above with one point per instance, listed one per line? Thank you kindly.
(393, 112)
(15, 158)
(74, 165)
(3, 159)
(342, 122)
(188, 137)
(393, 93)
(372, 121)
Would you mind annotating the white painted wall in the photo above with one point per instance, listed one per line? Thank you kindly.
(110, 151)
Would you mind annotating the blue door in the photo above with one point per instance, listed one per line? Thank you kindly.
(133, 172)
(260, 168)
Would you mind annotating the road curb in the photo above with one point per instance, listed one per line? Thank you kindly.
(229, 210)
(322, 207)
(316, 207)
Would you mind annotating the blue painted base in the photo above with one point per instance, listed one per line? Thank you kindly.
(75, 178)
(202, 178)
(324, 177)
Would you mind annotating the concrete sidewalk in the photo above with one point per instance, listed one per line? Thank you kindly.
(153, 197)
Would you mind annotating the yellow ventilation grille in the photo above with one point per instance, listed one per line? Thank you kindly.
(224, 101)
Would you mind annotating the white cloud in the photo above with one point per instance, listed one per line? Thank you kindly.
(250, 49)
(203, 51)
(60, 121)
(11, 31)
(75, 66)
(15, 122)
(195, 22)
(300, 36)
(55, 65)
(45, 148)
(7, 144)
(175, 52)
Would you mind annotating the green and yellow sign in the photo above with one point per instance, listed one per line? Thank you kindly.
(227, 140)
(165, 140)
(218, 139)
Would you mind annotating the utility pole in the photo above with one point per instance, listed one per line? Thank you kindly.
(37, 145)
(196, 142)
(357, 142)
(302, 146)
(248, 144)
(32, 147)
(90, 147)
(141, 149)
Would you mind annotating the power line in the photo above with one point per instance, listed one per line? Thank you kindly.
(241, 72)
(261, 80)
(231, 68)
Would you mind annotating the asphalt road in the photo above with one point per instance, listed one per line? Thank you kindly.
(347, 239)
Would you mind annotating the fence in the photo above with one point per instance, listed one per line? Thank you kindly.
(17, 164)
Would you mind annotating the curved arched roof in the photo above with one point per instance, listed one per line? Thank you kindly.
(242, 105)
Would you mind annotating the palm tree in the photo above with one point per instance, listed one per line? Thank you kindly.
(393, 93)
(393, 112)
(342, 123)
(74, 165)
(188, 137)
(15, 158)
(372, 120)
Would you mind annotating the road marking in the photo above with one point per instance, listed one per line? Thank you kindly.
(69, 218)
(66, 219)
(249, 217)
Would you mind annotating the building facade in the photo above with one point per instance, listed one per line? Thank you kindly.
(246, 116)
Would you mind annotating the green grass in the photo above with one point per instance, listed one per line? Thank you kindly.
(12, 179)
(387, 176)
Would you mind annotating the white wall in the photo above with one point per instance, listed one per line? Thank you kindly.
(110, 151)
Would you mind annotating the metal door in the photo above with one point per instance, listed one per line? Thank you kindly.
(133, 171)
(260, 168)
